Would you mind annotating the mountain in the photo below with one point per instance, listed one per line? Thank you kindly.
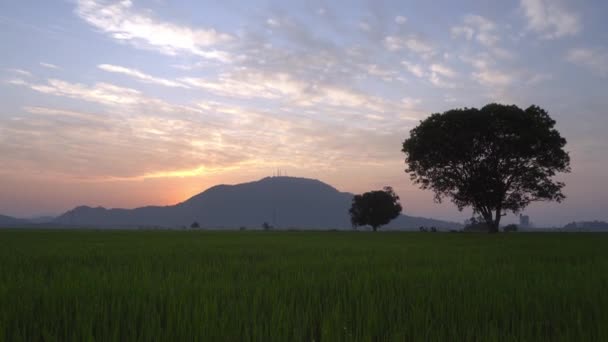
(8, 221)
(283, 202)
(41, 219)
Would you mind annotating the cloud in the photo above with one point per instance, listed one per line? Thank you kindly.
(442, 70)
(122, 22)
(415, 69)
(479, 28)
(363, 26)
(341, 97)
(499, 81)
(109, 95)
(20, 72)
(596, 60)
(141, 76)
(103, 93)
(285, 88)
(376, 70)
(273, 22)
(440, 82)
(64, 113)
(438, 73)
(411, 42)
(86, 146)
(467, 32)
(295, 99)
(493, 78)
(112, 146)
(249, 85)
(16, 81)
(551, 19)
(49, 66)
(539, 78)
(400, 20)
(435, 73)
(410, 103)
(487, 74)
(479, 61)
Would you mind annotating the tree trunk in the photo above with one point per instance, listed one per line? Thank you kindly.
(489, 221)
(374, 228)
(494, 227)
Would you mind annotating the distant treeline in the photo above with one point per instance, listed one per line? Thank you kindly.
(589, 225)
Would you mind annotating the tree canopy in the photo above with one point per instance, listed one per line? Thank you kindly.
(495, 159)
(375, 208)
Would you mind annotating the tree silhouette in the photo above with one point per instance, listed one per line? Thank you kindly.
(195, 225)
(375, 208)
(495, 159)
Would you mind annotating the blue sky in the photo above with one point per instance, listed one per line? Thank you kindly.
(127, 103)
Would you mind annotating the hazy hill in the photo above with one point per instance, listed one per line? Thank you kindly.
(8, 221)
(284, 202)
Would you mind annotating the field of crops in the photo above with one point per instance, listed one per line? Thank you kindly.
(301, 286)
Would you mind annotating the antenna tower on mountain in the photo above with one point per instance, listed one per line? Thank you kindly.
(279, 173)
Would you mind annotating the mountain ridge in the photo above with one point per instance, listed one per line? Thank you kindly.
(6, 221)
(283, 202)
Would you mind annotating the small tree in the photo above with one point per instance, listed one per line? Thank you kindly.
(375, 208)
(510, 228)
(195, 225)
(495, 159)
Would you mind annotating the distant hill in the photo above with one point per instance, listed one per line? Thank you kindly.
(8, 221)
(41, 219)
(283, 202)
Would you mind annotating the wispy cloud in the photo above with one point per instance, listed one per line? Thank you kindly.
(376, 70)
(117, 98)
(487, 73)
(136, 146)
(415, 69)
(20, 72)
(284, 87)
(493, 78)
(400, 20)
(485, 32)
(250, 85)
(551, 19)
(595, 60)
(436, 74)
(49, 66)
(146, 78)
(411, 42)
(443, 70)
(103, 93)
(92, 147)
(45, 111)
(124, 23)
(478, 28)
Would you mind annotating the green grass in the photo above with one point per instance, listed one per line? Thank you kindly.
(266, 286)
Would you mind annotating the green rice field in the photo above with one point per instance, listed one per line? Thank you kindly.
(86, 285)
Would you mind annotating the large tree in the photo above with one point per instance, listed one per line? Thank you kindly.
(495, 159)
(375, 208)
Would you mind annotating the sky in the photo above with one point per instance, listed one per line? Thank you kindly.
(132, 103)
